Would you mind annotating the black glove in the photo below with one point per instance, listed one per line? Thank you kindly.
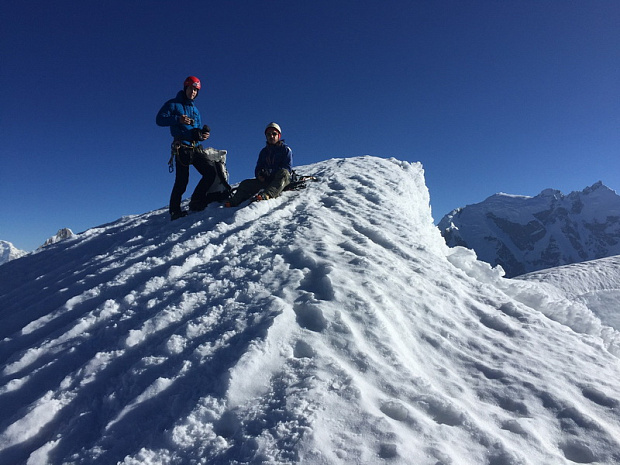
(199, 134)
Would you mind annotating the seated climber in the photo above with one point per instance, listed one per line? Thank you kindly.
(273, 170)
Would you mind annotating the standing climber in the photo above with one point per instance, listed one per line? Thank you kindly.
(273, 170)
(183, 118)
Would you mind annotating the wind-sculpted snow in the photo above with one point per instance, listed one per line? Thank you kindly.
(329, 326)
(594, 285)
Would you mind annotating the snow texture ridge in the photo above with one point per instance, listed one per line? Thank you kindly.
(329, 326)
(595, 285)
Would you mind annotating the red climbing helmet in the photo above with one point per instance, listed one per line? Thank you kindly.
(192, 81)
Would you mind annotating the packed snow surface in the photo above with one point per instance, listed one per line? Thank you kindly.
(594, 284)
(329, 326)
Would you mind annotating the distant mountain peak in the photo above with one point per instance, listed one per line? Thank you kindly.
(61, 235)
(524, 234)
(596, 185)
(9, 252)
(551, 193)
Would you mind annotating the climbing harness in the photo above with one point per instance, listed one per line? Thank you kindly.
(184, 152)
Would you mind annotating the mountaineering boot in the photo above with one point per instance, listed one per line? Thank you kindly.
(177, 215)
(197, 207)
(259, 197)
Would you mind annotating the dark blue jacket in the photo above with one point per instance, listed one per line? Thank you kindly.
(169, 116)
(273, 158)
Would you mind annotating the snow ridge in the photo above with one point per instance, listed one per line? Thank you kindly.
(594, 284)
(329, 326)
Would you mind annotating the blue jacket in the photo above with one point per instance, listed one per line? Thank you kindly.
(169, 116)
(273, 158)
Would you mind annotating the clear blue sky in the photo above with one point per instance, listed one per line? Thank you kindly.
(490, 96)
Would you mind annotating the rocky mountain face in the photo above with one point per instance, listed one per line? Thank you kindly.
(524, 234)
(61, 235)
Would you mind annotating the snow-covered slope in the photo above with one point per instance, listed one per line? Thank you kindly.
(595, 284)
(329, 326)
(524, 234)
(9, 252)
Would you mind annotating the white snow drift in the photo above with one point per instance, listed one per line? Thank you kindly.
(329, 326)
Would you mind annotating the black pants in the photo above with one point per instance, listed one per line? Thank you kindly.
(199, 198)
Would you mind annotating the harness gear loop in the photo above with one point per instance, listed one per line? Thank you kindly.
(177, 149)
(174, 151)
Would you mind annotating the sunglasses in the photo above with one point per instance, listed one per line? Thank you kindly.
(273, 133)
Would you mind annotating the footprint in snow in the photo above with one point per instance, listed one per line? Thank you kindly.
(395, 410)
(388, 451)
(303, 350)
(310, 316)
(577, 451)
(442, 412)
(599, 397)
(488, 372)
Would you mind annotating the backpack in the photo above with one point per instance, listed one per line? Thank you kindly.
(220, 189)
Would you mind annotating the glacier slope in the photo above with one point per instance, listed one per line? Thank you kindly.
(328, 326)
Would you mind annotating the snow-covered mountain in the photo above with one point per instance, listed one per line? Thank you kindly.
(9, 252)
(328, 326)
(61, 235)
(524, 234)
